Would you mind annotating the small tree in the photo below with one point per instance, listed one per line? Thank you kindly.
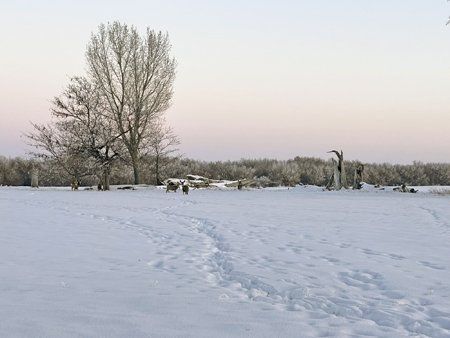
(51, 143)
(162, 144)
(81, 138)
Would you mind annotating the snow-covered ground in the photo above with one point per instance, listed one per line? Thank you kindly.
(223, 263)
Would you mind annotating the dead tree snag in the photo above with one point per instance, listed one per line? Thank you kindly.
(338, 178)
(358, 176)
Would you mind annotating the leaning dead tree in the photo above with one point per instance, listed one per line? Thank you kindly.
(338, 179)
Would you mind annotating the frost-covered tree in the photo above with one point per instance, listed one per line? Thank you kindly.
(162, 144)
(80, 137)
(50, 142)
(135, 75)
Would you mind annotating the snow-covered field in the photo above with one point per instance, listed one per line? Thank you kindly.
(223, 263)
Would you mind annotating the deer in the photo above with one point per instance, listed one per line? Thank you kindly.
(185, 188)
(172, 186)
(74, 184)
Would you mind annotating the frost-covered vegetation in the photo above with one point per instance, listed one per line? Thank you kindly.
(269, 172)
(115, 111)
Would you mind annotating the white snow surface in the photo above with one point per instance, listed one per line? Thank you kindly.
(224, 263)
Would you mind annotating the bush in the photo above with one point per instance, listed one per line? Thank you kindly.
(304, 170)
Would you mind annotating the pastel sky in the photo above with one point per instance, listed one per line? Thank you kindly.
(256, 78)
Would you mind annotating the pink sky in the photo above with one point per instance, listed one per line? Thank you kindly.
(259, 79)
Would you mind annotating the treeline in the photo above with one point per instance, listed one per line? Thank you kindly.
(269, 172)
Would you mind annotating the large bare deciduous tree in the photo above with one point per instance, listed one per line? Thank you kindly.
(135, 75)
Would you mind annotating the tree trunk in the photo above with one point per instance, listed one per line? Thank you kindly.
(157, 170)
(136, 167)
(337, 175)
(34, 178)
(338, 179)
(137, 174)
(106, 177)
(343, 173)
(358, 176)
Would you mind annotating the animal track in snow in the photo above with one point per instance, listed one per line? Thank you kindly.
(363, 279)
(438, 219)
(432, 265)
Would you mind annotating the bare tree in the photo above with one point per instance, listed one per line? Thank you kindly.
(162, 144)
(81, 138)
(135, 75)
(50, 142)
